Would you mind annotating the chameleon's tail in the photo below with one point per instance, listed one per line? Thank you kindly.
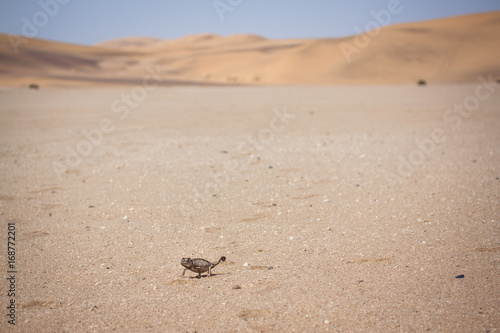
(221, 259)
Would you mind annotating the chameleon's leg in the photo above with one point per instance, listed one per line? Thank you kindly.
(199, 275)
(209, 271)
(184, 271)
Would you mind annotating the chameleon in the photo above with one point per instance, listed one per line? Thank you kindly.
(199, 265)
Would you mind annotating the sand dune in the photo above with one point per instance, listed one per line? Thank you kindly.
(452, 50)
(130, 42)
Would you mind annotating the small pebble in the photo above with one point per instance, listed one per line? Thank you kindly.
(461, 276)
(246, 264)
(125, 217)
(237, 287)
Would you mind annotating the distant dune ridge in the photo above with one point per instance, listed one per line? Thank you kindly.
(451, 50)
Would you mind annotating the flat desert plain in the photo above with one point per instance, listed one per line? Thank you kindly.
(339, 208)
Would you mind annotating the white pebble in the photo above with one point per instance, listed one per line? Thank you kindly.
(246, 264)
(125, 217)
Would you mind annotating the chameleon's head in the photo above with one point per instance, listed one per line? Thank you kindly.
(187, 262)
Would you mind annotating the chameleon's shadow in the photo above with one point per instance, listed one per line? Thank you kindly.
(206, 276)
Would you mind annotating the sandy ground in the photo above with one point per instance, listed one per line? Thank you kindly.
(338, 208)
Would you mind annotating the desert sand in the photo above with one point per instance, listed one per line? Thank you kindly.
(337, 234)
(340, 208)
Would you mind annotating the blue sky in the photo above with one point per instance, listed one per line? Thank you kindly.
(91, 21)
